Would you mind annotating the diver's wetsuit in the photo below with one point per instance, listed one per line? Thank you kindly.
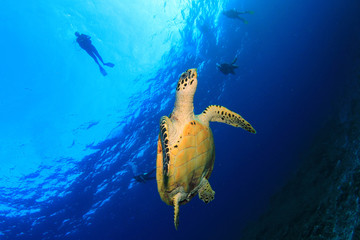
(85, 43)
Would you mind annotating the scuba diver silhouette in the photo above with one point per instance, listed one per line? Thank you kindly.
(227, 68)
(233, 13)
(145, 176)
(85, 43)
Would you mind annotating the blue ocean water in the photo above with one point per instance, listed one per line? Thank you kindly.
(72, 140)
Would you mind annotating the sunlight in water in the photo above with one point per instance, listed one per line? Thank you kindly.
(67, 130)
(43, 125)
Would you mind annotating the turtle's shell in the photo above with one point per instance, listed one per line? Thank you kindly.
(191, 158)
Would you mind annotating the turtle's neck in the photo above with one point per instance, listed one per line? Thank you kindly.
(183, 109)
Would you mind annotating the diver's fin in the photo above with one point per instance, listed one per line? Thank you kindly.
(217, 113)
(205, 192)
(153, 170)
(176, 201)
(234, 61)
(243, 19)
(102, 70)
(109, 64)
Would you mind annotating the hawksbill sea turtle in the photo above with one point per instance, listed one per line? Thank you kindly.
(185, 151)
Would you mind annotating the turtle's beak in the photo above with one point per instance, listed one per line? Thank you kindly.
(192, 73)
(187, 82)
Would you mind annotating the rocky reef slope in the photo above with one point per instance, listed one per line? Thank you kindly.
(322, 200)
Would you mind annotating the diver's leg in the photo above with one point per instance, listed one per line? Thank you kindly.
(242, 19)
(109, 64)
(152, 171)
(150, 178)
(93, 56)
(94, 50)
(102, 70)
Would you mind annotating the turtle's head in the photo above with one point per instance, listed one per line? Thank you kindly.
(187, 83)
(185, 90)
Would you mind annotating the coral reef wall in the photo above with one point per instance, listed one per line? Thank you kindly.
(321, 201)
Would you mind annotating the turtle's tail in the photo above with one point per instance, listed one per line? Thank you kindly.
(176, 201)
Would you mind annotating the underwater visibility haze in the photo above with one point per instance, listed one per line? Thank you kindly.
(78, 147)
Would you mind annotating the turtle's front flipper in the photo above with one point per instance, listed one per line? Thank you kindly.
(205, 192)
(164, 135)
(216, 113)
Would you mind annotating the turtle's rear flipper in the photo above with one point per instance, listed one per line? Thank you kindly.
(217, 113)
(205, 192)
